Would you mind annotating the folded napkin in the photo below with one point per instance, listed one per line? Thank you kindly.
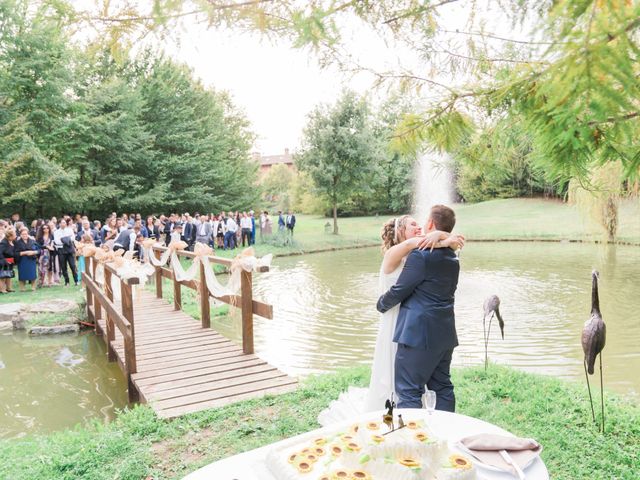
(486, 448)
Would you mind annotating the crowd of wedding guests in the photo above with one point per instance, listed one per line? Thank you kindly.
(45, 251)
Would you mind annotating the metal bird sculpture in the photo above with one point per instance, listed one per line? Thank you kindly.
(491, 307)
(594, 334)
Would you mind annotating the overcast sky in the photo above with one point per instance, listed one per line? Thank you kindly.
(274, 84)
(277, 85)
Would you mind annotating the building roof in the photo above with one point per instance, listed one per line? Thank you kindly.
(268, 160)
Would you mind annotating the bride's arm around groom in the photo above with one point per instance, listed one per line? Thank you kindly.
(425, 330)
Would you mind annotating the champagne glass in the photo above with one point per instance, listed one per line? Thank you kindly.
(429, 401)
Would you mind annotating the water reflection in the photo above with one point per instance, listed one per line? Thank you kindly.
(54, 382)
(325, 317)
(66, 358)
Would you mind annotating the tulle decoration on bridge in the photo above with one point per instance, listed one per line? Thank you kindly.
(246, 261)
(127, 267)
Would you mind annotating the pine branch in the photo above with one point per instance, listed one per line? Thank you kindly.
(491, 60)
(228, 6)
(496, 37)
(621, 118)
(420, 10)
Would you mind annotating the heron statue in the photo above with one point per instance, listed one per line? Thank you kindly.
(491, 307)
(594, 335)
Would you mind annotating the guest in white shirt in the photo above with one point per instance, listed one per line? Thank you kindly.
(63, 241)
(230, 233)
(215, 225)
(245, 225)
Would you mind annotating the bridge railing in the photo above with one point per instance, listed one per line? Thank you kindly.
(245, 300)
(116, 317)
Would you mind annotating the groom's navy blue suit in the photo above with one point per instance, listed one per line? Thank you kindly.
(426, 328)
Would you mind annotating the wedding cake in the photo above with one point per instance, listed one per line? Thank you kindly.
(370, 451)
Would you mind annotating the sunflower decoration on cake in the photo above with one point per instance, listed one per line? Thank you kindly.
(373, 426)
(410, 462)
(457, 467)
(458, 461)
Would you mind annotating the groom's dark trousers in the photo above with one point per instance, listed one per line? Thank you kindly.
(425, 330)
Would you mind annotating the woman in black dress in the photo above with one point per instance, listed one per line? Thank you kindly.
(7, 260)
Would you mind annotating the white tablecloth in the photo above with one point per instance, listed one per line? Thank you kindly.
(251, 465)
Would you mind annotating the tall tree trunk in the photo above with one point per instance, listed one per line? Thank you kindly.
(335, 218)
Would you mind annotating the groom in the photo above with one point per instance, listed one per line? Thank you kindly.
(425, 329)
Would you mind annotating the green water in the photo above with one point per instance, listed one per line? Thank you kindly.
(325, 318)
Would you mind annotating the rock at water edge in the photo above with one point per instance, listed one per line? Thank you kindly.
(55, 305)
(9, 311)
(54, 329)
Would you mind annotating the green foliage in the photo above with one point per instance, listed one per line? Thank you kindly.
(305, 198)
(80, 132)
(202, 142)
(382, 173)
(277, 186)
(499, 164)
(339, 150)
(600, 199)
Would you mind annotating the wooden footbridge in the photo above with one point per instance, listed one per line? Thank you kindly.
(170, 360)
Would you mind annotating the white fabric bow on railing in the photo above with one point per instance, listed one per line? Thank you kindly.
(246, 261)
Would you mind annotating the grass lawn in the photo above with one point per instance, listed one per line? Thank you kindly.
(514, 219)
(138, 445)
(44, 294)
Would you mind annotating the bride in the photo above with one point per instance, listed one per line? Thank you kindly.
(400, 236)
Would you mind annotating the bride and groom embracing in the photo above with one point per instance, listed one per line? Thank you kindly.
(417, 334)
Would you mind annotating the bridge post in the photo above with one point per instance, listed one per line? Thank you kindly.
(111, 331)
(205, 308)
(89, 295)
(131, 365)
(158, 274)
(246, 291)
(177, 292)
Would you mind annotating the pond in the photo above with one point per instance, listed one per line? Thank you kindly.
(53, 382)
(325, 318)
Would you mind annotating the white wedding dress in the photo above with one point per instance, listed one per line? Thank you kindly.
(359, 400)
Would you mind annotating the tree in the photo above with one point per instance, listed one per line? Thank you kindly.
(82, 132)
(570, 81)
(339, 150)
(34, 106)
(277, 186)
(201, 141)
(116, 166)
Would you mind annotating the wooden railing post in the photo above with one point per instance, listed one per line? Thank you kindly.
(131, 365)
(177, 292)
(247, 311)
(94, 265)
(111, 332)
(158, 273)
(205, 309)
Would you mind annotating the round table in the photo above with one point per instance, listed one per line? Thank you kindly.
(251, 465)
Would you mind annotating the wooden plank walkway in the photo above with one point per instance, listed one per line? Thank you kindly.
(184, 368)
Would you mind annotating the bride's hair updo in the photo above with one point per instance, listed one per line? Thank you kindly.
(393, 232)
